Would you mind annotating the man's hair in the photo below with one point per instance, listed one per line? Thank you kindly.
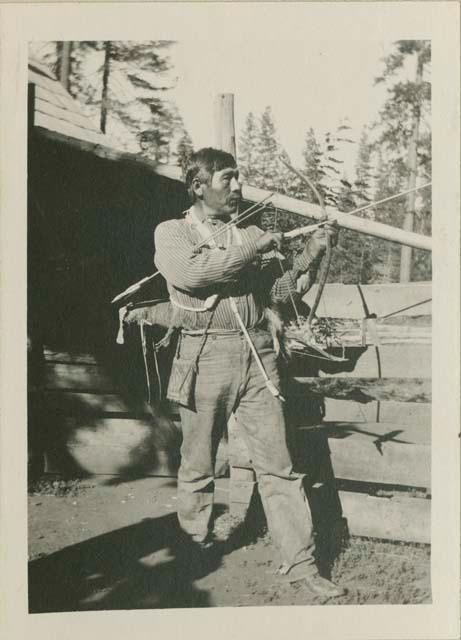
(203, 164)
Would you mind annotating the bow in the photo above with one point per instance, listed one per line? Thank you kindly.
(326, 262)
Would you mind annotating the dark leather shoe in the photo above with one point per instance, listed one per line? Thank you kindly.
(323, 588)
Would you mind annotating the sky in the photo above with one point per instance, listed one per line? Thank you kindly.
(307, 84)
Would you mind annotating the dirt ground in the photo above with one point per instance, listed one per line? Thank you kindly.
(114, 545)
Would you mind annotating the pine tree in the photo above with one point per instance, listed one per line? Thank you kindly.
(404, 134)
(331, 169)
(184, 149)
(124, 84)
(387, 254)
(312, 157)
(266, 164)
(46, 53)
(363, 182)
(353, 256)
(247, 150)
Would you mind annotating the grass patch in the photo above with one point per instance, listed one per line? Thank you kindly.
(58, 487)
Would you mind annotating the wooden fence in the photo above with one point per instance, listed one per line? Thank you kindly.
(362, 426)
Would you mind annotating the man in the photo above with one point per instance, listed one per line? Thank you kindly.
(225, 357)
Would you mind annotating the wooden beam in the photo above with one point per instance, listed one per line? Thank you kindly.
(401, 300)
(373, 452)
(345, 220)
(309, 210)
(371, 332)
(410, 414)
(405, 519)
(69, 130)
(292, 205)
(378, 453)
(395, 431)
(384, 361)
(63, 114)
(367, 389)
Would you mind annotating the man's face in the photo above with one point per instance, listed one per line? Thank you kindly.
(223, 194)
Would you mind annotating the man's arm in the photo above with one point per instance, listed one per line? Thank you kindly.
(186, 269)
(283, 285)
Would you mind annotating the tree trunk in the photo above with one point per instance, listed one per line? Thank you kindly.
(105, 86)
(406, 252)
(64, 50)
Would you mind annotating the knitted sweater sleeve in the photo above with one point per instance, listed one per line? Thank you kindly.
(187, 269)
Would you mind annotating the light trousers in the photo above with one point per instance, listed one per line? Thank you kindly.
(229, 380)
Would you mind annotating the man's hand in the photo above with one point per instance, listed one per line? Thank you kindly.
(269, 241)
(317, 244)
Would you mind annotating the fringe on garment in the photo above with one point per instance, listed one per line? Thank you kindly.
(173, 318)
(276, 327)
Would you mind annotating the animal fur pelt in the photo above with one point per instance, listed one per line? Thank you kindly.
(155, 314)
(165, 315)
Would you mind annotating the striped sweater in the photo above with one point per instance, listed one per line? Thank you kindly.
(235, 270)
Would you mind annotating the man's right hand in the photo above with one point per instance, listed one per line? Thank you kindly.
(269, 241)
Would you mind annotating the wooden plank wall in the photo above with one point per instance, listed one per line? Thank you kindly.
(386, 443)
(376, 414)
(102, 431)
(380, 450)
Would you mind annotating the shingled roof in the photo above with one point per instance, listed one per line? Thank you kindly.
(57, 112)
(58, 115)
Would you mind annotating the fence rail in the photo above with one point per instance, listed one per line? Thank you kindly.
(370, 421)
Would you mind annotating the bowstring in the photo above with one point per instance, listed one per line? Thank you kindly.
(298, 315)
(290, 293)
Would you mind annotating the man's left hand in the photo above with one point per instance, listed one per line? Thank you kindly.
(317, 244)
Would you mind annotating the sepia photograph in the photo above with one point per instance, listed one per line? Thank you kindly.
(229, 342)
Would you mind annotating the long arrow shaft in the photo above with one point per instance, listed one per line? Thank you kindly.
(396, 195)
(294, 233)
(302, 231)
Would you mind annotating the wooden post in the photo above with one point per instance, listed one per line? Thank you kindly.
(105, 86)
(406, 252)
(64, 51)
(224, 123)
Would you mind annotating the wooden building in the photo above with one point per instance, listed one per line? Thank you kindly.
(92, 211)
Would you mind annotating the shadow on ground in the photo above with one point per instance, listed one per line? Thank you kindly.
(118, 571)
(142, 566)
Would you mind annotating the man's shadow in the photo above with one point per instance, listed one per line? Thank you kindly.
(310, 454)
(142, 566)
